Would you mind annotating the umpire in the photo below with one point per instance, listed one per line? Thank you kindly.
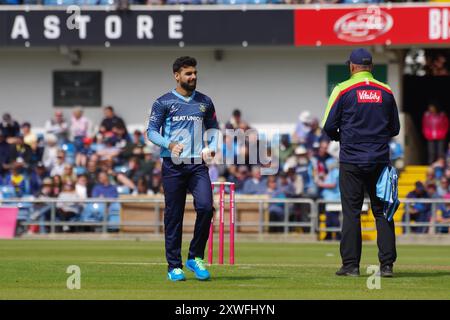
(362, 115)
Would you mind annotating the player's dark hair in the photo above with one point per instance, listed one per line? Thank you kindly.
(185, 61)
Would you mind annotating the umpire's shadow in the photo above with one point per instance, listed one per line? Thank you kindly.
(437, 273)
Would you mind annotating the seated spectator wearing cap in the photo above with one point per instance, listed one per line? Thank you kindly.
(21, 152)
(9, 127)
(5, 154)
(419, 212)
(50, 155)
(84, 153)
(58, 126)
(302, 128)
(104, 189)
(37, 176)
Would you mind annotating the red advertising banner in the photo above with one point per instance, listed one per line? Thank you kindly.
(386, 25)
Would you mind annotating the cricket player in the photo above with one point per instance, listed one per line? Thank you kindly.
(178, 122)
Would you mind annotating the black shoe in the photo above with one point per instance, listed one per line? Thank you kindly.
(387, 271)
(348, 271)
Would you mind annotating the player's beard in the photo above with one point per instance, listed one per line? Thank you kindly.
(189, 86)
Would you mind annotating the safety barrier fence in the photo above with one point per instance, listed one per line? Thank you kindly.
(297, 214)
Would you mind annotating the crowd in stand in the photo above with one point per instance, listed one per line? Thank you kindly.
(76, 159)
(125, 3)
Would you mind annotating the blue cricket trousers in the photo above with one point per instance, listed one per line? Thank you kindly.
(177, 180)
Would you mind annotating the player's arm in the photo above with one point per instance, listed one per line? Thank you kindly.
(394, 122)
(332, 118)
(212, 127)
(155, 121)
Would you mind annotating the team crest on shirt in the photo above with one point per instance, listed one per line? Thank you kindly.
(174, 108)
(202, 107)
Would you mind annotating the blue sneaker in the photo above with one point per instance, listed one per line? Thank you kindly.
(197, 266)
(176, 274)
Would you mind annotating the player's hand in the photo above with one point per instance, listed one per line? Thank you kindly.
(208, 155)
(176, 148)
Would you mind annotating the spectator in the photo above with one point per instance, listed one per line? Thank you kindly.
(256, 184)
(109, 151)
(330, 192)
(235, 120)
(240, 178)
(85, 152)
(134, 147)
(302, 128)
(18, 181)
(21, 152)
(67, 211)
(135, 172)
(443, 216)
(68, 174)
(42, 210)
(79, 128)
(320, 161)
(58, 167)
(5, 154)
(419, 212)
(438, 167)
(103, 189)
(58, 126)
(315, 135)
(276, 209)
(142, 186)
(286, 149)
(435, 130)
(57, 185)
(37, 177)
(111, 119)
(81, 187)
(50, 156)
(285, 185)
(28, 137)
(396, 154)
(9, 127)
(442, 188)
(156, 182)
(121, 136)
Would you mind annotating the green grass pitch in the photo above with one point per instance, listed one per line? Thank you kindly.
(36, 269)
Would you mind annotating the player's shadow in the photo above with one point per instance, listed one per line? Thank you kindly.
(244, 278)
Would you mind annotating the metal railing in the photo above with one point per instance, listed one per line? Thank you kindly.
(307, 220)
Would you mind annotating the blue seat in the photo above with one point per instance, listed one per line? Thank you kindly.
(80, 170)
(121, 169)
(93, 212)
(123, 190)
(8, 192)
(59, 2)
(114, 216)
